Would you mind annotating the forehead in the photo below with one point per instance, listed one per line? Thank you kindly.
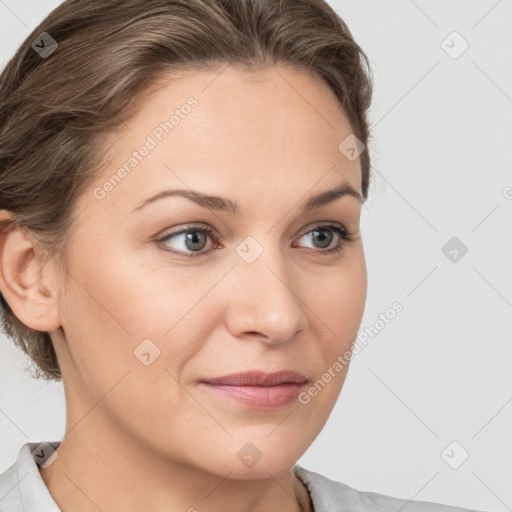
(273, 103)
(245, 130)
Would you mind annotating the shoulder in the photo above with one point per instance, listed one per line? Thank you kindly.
(10, 499)
(22, 488)
(329, 496)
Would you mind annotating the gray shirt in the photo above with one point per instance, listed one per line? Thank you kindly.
(23, 490)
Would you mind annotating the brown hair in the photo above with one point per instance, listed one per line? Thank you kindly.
(55, 110)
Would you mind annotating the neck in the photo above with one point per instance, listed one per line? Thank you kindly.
(114, 473)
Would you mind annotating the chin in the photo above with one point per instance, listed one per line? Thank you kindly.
(254, 459)
(260, 470)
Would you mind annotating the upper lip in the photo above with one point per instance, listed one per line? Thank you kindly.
(259, 378)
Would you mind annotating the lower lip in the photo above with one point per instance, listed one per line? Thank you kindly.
(259, 397)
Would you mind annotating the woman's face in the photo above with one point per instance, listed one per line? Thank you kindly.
(153, 315)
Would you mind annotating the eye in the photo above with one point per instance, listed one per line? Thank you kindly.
(318, 234)
(194, 239)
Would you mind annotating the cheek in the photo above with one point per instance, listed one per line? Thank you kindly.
(109, 314)
(125, 303)
(337, 303)
(340, 300)
(119, 317)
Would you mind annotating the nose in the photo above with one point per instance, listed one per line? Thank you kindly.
(264, 299)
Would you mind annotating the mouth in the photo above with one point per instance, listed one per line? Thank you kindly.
(258, 389)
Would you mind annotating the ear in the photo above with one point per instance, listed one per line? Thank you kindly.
(28, 284)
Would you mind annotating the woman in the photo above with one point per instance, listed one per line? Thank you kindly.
(180, 199)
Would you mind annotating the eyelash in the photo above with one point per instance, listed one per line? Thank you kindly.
(345, 239)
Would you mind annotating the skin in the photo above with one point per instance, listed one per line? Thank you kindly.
(150, 437)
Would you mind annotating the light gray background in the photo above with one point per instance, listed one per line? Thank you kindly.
(440, 371)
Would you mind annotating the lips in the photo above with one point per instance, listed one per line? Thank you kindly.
(258, 389)
(258, 378)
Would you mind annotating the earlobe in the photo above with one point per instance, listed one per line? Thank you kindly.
(25, 280)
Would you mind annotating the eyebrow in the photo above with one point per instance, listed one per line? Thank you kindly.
(226, 205)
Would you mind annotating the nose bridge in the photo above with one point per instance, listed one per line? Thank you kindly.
(263, 293)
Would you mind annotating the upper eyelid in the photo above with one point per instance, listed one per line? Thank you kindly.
(207, 228)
